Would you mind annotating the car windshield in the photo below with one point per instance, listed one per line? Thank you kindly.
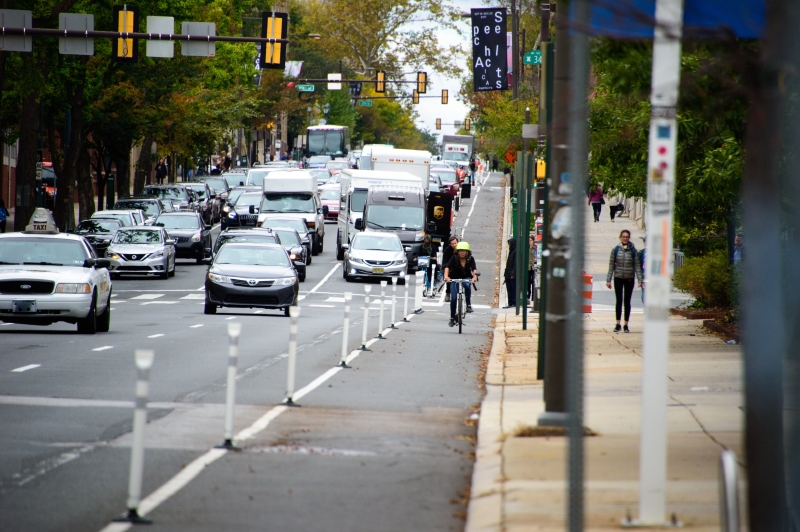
(436, 179)
(200, 190)
(377, 242)
(334, 165)
(137, 236)
(44, 251)
(235, 180)
(297, 225)
(178, 222)
(217, 185)
(234, 194)
(318, 159)
(245, 200)
(357, 200)
(447, 176)
(256, 177)
(149, 207)
(252, 256)
(123, 217)
(288, 203)
(288, 238)
(329, 194)
(175, 193)
(96, 226)
(395, 217)
(252, 239)
(321, 174)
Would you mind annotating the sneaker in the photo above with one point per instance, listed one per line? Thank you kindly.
(469, 308)
(447, 299)
(452, 322)
(617, 328)
(625, 329)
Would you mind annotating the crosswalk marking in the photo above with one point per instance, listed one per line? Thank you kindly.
(148, 296)
(194, 296)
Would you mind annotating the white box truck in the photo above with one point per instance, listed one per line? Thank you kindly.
(354, 185)
(365, 160)
(416, 162)
(293, 193)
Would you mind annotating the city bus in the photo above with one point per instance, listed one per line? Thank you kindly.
(333, 141)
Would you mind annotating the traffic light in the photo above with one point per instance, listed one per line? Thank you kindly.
(541, 169)
(438, 123)
(422, 82)
(444, 96)
(380, 78)
(127, 21)
(274, 26)
(415, 97)
(467, 123)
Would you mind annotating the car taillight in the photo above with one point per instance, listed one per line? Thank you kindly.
(311, 225)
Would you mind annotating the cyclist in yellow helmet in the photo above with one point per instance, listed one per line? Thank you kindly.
(461, 266)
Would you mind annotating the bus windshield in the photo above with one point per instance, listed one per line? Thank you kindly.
(326, 142)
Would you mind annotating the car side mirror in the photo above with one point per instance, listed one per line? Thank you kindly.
(325, 210)
(345, 246)
(213, 196)
(102, 263)
(171, 242)
(207, 227)
(359, 224)
(252, 209)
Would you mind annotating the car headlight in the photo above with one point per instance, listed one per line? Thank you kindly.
(419, 237)
(400, 262)
(157, 254)
(292, 256)
(219, 278)
(226, 208)
(73, 288)
(356, 260)
(232, 215)
(288, 281)
(196, 237)
(114, 256)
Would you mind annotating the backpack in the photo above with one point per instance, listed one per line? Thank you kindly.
(633, 250)
(3, 214)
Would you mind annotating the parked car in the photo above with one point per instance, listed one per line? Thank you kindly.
(297, 225)
(142, 251)
(151, 206)
(208, 204)
(98, 232)
(374, 255)
(192, 236)
(179, 195)
(127, 217)
(244, 275)
(330, 196)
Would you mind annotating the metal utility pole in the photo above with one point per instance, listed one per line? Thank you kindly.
(660, 207)
(558, 236)
(514, 50)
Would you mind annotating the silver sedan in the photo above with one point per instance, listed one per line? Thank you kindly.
(142, 250)
(374, 254)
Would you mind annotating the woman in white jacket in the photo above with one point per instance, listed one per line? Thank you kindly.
(614, 204)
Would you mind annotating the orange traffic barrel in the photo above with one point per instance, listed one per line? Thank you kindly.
(587, 292)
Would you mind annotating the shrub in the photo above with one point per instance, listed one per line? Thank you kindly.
(709, 279)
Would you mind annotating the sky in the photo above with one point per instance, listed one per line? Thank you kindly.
(429, 109)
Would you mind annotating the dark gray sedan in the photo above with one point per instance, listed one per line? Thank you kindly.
(251, 276)
(192, 236)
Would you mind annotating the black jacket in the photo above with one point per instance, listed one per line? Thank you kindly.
(447, 254)
(511, 261)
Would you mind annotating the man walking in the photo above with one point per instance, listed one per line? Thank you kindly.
(161, 171)
(510, 274)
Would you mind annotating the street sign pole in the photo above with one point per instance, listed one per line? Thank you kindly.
(660, 207)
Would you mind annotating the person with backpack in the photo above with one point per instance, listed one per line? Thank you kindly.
(472, 168)
(3, 216)
(624, 269)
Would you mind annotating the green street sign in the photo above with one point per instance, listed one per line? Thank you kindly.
(305, 88)
(534, 57)
(365, 103)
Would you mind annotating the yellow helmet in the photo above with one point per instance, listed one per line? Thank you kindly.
(462, 246)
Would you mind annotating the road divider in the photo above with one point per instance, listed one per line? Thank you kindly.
(394, 301)
(405, 302)
(418, 282)
(367, 290)
(144, 361)
(234, 330)
(294, 313)
(346, 329)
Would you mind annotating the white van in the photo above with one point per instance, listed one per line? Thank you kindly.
(416, 162)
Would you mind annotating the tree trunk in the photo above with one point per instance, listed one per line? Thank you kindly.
(26, 161)
(143, 166)
(67, 169)
(85, 192)
(123, 178)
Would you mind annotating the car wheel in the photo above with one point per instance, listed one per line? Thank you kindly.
(114, 276)
(199, 260)
(209, 308)
(302, 276)
(308, 257)
(104, 319)
(339, 250)
(314, 247)
(322, 243)
(286, 311)
(88, 325)
(172, 271)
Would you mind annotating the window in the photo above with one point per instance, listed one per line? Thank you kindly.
(377, 242)
(245, 200)
(252, 256)
(357, 200)
(42, 251)
(96, 226)
(288, 238)
(288, 203)
(138, 236)
(329, 194)
(395, 217)
(178, 222)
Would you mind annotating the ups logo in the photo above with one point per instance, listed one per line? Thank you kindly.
(438, 212)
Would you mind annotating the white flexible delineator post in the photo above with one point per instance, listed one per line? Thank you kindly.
(346, 329)
(294, 314)
(394, 301)
(380, 316)
(365, 328)
(420, 276)
(234, 330)
(405, 302)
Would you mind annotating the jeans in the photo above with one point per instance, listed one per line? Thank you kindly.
(597, 207)
(454, 296)
(511, 290)
(623, 287)
(614, 209)
(531, 283)
(472, 177)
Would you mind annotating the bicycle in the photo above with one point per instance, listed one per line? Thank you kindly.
(430, 289)
(461, 305)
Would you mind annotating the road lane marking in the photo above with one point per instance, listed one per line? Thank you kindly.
(474, 202)
(466, 222)
(25, 368)
(105, 347)
(231, 318)
(159, 335)
(159, 303)
(322, 306)
(258, 312)
(194, 296)
(195, 326)
(148, 296)
(324, 279)
(335, 300)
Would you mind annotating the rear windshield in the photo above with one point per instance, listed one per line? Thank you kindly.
(96, 226)
(149, 207)
(178, 193)
(235, 180)
(178, 222)
(125, 218)
(288, 238)
(245, 200)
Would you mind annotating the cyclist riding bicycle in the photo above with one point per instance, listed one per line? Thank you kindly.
(428, 250)
(448, 254)
(461, 266)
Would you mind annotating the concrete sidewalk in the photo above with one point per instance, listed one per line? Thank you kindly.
(519, 480)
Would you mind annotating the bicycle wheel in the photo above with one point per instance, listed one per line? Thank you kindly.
(460, 309)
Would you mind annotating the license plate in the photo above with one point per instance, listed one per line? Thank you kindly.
(24, 307)
(377, 270)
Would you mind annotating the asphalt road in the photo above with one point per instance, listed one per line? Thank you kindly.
(385, 445)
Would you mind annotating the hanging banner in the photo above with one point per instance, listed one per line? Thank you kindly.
(489, 54)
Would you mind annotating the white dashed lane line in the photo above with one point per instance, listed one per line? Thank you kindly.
(156, 335)
(104, 348)
(26, 368)
(195, 326)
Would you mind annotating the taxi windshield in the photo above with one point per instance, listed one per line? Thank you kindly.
(44, 251)
(137, 236)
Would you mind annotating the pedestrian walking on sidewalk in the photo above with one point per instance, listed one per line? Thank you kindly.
(510, 274)
(447, 254)
(624, 269)
(596, 200)
(614, 205)
(531, 267)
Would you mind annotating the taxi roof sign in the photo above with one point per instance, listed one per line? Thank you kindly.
(42, 222)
